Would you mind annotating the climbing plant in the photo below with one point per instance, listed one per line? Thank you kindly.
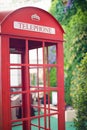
(79, 95)
(73, 17)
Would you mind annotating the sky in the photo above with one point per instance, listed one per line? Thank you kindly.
(8, 5)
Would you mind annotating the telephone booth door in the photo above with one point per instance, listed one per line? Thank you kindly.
(33, 64)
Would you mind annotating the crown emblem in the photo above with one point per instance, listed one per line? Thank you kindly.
(35, 17)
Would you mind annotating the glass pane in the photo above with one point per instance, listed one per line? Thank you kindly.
(40, 56)
(54, 98)
(36, 101)
(40, 79)
(36, 56)
(17, 126)
(33, 56)
(15, 89)
(15, 77)
(15, 58)
(46, 55)
(52, 54)
(54, 122)
(36, 76)
(16, 105)
(47, 74)
(51, 76)
(33, 77)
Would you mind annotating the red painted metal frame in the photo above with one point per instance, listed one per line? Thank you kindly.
(7, 33)
(5, 83)
(61, 102)
(0, 90)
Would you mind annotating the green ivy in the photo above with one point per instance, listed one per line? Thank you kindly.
(79, 94)
(74, 22)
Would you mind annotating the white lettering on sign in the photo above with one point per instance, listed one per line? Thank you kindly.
(33, 27)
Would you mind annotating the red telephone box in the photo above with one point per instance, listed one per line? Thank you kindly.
(31, 69)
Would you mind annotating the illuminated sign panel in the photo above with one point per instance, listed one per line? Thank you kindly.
(33, 27)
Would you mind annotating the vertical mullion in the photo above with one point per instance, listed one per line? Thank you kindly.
(48, 91)
(38, 92)
(5, 85)
(57, 61)
(57, 74)
(60, 75)
(28, 86)
(44, 79)
(1, 114)
(29, 96)
(25, 75)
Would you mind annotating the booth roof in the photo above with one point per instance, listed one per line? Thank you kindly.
(3, 15)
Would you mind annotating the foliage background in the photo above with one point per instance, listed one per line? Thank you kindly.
(79, 94)
(72, 15)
